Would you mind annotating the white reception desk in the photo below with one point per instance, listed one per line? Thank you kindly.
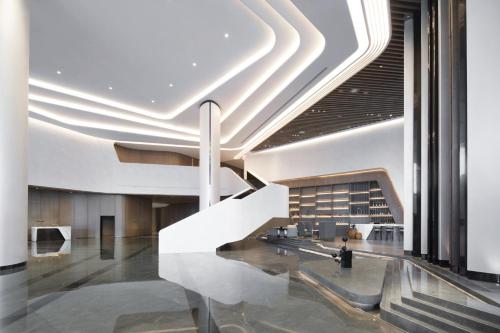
(65, 232)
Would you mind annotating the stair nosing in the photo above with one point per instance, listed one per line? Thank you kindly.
(458, 307)
(447, 322)
(453, 312)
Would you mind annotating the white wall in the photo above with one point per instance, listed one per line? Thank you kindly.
(483, 136)
(60, 158)
(376, 146)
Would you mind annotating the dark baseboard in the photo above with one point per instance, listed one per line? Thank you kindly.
(415, 253)
(12, 268)
(424, 256)
(408, 253)
(480, 276)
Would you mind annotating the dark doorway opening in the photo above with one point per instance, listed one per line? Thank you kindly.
(107, 237)
(107, 226)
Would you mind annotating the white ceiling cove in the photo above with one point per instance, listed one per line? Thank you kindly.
(135, 71)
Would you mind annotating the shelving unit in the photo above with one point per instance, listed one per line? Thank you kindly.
(351, 203)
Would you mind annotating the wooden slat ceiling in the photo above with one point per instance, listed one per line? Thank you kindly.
(372, 95)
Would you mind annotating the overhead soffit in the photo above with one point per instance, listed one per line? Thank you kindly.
(373, 95)
(263, 62)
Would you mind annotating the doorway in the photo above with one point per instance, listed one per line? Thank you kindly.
(107, 237)
(107, 226)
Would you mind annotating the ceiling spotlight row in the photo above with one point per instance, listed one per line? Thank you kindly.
(171, 84)
(59, 72)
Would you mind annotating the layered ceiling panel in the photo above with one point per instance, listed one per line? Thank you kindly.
(135, 73)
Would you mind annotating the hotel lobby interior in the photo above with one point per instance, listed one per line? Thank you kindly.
(248, 166)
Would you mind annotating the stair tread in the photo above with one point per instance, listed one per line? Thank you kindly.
(419, 322)
(430, 285)
(435, 317)
(475, 306)
(456, 313)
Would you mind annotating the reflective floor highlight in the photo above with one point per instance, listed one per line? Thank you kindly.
(122, 285)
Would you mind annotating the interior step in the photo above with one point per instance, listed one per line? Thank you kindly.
(416, 312)
(408, 323)
(392, 292)
(484, 311)
(431, 319)
(466, 320)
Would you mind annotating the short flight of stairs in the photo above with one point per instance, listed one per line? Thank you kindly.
(415, 311)
(294, 243)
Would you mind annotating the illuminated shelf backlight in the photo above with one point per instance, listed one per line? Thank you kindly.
(340, 192)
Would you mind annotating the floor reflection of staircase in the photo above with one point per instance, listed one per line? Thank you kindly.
(417, 301)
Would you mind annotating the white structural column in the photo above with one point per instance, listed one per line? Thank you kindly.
(14, 65)
(408, 135)
(209, 154)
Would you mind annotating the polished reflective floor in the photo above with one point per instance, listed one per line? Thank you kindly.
(384, 247)
(122, 285)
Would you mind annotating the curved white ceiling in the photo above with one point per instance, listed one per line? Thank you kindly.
(129, 75)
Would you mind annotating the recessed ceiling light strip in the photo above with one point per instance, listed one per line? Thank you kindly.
(378, 23)
(261, 52)
(116, 128)
(291, 49)
(340, 74)
(314, 36)
(110, 113)
(283, 58)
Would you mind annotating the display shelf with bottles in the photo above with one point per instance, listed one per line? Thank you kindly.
(354, 203)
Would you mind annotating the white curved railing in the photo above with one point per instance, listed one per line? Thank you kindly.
(228, 221)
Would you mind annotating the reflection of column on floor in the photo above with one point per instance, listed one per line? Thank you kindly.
(200, 310)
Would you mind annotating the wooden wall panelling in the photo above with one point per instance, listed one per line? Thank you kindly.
(130, 155)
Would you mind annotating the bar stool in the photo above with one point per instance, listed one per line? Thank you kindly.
(389, 231)
(377, 230)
